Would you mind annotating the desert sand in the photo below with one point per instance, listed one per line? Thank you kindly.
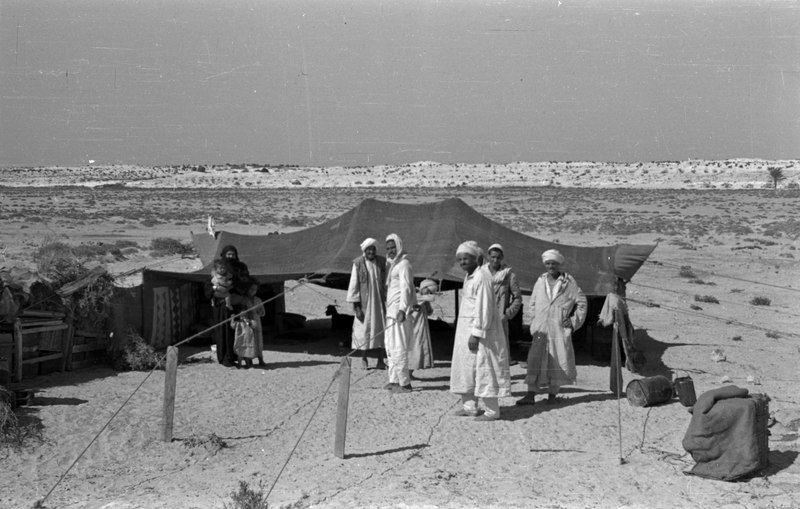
(409, 450)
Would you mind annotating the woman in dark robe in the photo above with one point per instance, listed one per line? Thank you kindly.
(224, 334)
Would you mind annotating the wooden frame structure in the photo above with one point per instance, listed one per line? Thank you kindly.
(57, 347)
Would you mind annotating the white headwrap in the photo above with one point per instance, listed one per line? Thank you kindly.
(497, 247)
(397, 242)
(470, 247)
(552, 254)
(369, 241)
(430, 284)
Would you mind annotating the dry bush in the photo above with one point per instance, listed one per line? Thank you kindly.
(760, 301)
(247, 498)
(687, 272)
(14, 435)
(165, 246)
(91, 306)
(132, 353)
(211, 443)
(706, 298)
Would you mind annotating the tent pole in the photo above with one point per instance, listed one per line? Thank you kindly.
(455, 322)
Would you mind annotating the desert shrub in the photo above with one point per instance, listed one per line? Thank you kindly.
(773, 335)
(736, 338)
(760, 301)
(687, 272)
(248, 498)
(211, 443)
(165, 246)
(92, 305)
(93, 251)
(695, 307)
(132, 353)
(15, 435)
(706, 298)
(46, 255)
(701, 282)
(122, 244)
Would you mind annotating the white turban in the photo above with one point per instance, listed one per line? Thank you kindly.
(469, 247)
(430, 284)
(397, 242)
(552, 254)
(369, 241)
(496, 247)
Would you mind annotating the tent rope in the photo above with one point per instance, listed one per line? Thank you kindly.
(728, 321)
(724, 276)
(721, 300)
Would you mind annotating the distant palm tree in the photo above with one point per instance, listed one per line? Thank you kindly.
(776, 174)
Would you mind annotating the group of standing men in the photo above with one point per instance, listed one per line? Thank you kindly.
(383, 296)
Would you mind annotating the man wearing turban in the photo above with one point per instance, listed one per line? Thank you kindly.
(479, 370)
(367, 293)
(508, 295)
(400, 299)
(558, 307)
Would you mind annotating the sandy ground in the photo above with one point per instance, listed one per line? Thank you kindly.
(408, 450)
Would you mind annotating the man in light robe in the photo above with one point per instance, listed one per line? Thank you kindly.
(400, 299)
(558, 307)
(508, 295)
(479, 372)
(367, 293)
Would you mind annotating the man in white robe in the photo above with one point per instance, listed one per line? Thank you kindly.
(480, 358)
(400, 299)
(367, 293)
(508, 295)
(558, 307)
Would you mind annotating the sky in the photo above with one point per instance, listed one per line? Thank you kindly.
(367, 82)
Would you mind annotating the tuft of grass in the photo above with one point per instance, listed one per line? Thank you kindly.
(706, 298)
(695, 307)
(687, 272)
(736, 338)
(773, 335)
(760, 301)
(247, 498)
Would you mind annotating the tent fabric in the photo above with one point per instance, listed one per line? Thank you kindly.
(431, 232)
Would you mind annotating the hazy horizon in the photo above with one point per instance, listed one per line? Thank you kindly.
(360, 82)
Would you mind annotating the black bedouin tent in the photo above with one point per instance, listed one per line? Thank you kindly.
(431, 232)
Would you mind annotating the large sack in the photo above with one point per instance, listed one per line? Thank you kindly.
(728, 436)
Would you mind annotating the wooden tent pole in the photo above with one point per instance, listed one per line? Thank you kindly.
(615, 376)
(169, 394)
(455, 322)
(341, 408)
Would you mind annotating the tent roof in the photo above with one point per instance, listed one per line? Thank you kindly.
(431, 232)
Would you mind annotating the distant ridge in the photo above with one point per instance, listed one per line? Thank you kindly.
(690, 174)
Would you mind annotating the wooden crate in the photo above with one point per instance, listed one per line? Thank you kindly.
(35, 343)
(88, 349)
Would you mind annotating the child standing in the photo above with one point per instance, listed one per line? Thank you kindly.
(420, 352)
(249, 341)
